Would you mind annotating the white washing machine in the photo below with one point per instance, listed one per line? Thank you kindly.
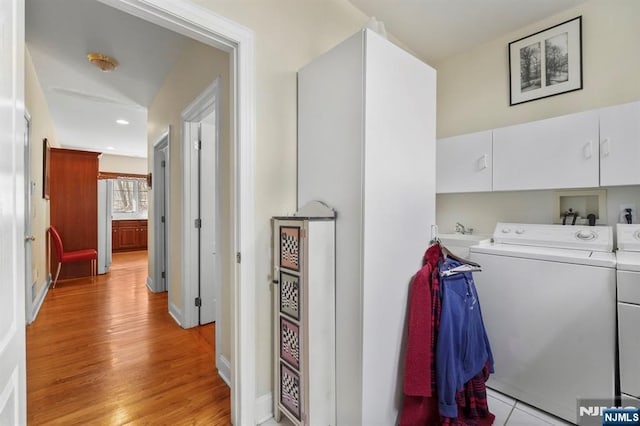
(629, 309)
(548, 295)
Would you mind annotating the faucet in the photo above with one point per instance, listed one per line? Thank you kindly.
(462, 230)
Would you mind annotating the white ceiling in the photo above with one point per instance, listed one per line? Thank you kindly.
(435, 29)
(85, 102)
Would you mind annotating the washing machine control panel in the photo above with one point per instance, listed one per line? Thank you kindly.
(595, 238)
(628, 237)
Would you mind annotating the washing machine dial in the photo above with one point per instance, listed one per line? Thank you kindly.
(586, 235)
(506, 230)
(636, 235)
(520, 231)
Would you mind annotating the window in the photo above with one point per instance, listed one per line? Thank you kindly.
(130, 195)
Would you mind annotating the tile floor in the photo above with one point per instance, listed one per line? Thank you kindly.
(507, 410)
(510, 412)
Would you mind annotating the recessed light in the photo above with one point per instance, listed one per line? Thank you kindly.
(110, 148)
(122, 121)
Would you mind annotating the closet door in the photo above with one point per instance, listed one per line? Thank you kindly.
(560, 152)
(464, 163)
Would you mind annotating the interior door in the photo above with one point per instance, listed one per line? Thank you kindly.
(209, 218)
(12, 210)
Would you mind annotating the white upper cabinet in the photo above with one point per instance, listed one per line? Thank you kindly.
(620, 145)
(560, 152)
(464, 163)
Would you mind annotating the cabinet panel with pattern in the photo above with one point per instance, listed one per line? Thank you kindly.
(304, 318)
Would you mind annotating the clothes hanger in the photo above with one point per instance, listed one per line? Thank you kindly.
(446, 253)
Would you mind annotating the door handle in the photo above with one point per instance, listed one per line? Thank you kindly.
(605, 147)
(587, 150)
(483, 162)
(30, 238)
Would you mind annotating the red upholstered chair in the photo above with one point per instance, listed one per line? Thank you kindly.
(72, 256)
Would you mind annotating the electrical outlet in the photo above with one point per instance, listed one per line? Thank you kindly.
(623, 212)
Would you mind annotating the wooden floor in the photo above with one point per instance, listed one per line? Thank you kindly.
(105, 351)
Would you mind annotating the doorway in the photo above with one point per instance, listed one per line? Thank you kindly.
(204, 25)
(161, 214)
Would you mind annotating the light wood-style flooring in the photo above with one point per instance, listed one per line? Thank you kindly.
(104, 351)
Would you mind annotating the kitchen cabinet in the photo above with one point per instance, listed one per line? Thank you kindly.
(559, 152)
(620, 145)
(366, 146)
(464, 163)
(128, 235)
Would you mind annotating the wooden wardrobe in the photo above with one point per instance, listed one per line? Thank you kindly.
(74, 205)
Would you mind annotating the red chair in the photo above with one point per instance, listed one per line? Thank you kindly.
(72, 256)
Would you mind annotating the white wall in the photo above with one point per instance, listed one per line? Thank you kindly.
(473, 95)
(123, 164)
(284, 43)
(41, 127)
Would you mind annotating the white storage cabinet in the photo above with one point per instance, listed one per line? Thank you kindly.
(620, 145)
(464, 163)
(559, 152)
(304, 319)
(366, 146)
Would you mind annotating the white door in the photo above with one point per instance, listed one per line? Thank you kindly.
(208, 215)
(13, 409)
(160, 214)
(619, 147)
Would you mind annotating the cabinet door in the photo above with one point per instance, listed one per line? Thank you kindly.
(142, 234)
(620, 145)
(560, 152)
(463, 163)
(128, 234)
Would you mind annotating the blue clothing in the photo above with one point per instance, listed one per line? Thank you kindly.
(462, 346)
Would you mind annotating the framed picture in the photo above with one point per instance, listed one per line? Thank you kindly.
(546, 63)
(46, 172)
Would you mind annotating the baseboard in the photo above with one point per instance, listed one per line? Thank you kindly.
(150, 284)
(40, 299)
(224, 369)
(264, 408)
(175, 314)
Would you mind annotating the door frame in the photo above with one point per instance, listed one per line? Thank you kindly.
(161, 192)
(204, 25)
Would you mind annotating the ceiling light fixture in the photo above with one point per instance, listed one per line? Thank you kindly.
(102, 61)
(122, 121)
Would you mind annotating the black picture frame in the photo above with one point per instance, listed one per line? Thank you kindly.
(546, 63)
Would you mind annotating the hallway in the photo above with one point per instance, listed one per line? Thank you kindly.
(105, 351)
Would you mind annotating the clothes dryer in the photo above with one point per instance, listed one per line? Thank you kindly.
(628, 277)
(549, 305)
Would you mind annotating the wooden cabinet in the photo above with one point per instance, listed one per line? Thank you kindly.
(74, 205)
(620, 145)
(560, 152)
(127, 235)
(464, 163)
